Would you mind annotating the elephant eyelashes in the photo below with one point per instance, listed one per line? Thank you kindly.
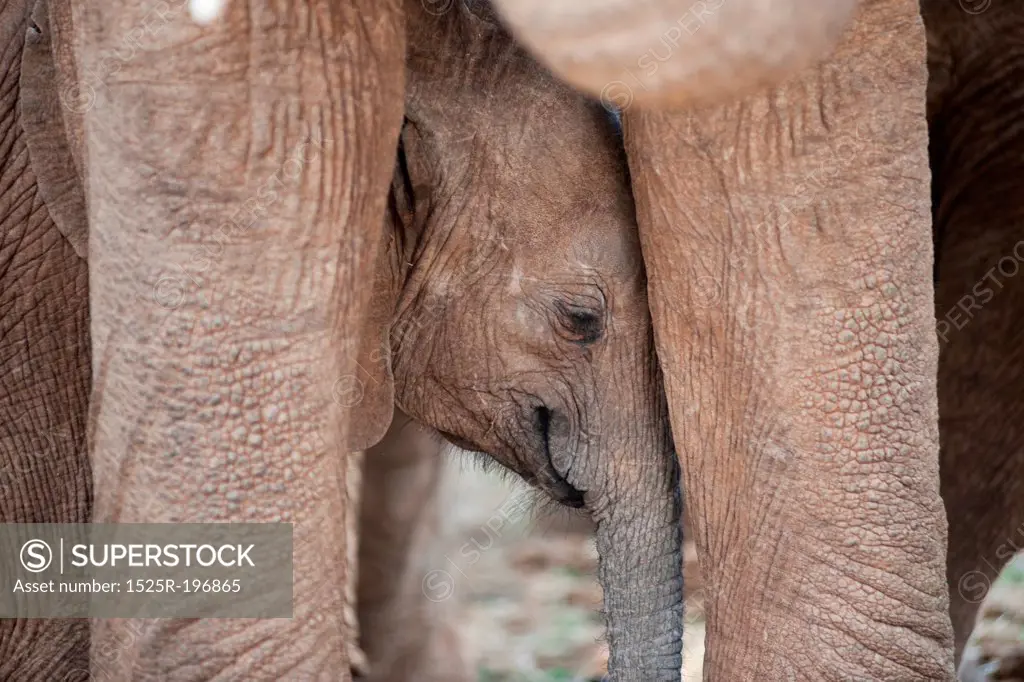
(578, 324)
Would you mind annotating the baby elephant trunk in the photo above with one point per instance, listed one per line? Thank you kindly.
(639, 539)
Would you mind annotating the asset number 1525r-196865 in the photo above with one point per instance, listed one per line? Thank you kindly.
(187, 586)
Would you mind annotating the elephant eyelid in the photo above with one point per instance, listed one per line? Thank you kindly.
(581, 324)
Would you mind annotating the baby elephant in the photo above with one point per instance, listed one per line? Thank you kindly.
(511, 311)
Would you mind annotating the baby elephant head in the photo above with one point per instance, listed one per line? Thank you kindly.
(518, 322)
(521, 327)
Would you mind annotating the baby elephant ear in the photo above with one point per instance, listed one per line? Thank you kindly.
(370, 390)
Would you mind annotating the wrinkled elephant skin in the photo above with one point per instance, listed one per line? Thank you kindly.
(521, 326)
(789, 250)
(44, 350)
(237, 175)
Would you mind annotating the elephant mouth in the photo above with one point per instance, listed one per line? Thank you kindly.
(545, 476)
(552, 482)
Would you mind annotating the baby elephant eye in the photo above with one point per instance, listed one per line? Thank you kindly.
(578, 324)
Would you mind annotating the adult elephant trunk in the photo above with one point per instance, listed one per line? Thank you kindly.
(678, 50)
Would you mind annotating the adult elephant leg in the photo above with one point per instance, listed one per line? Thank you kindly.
(976, 146)
(789, 249)
(406, 597)
(237, 176)
(44, 354)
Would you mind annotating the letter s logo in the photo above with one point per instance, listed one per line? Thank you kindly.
(36, 556)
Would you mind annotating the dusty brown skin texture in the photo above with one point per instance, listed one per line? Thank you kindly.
(521, 327)
(977, 141)
(201, 292)
(788, 245)
(840, 95)
(44, 324)
(223, 300)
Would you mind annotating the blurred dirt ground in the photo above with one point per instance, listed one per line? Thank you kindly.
(527, 599)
